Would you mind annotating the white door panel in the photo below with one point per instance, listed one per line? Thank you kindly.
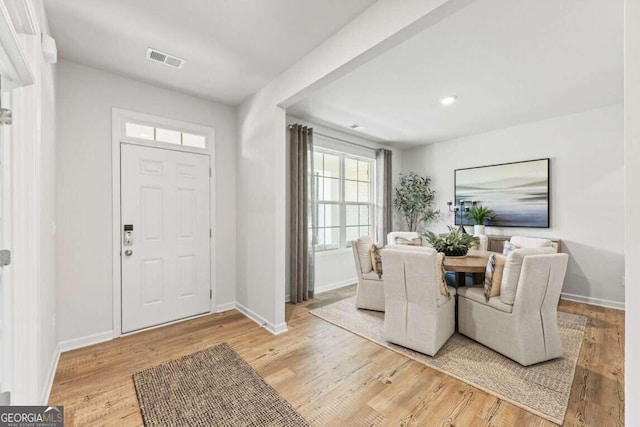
(165, 196)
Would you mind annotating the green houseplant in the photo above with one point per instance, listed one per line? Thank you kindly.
(413, 200)
(479, 214)
(456, 243)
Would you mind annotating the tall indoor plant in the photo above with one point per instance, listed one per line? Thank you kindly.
(413, 200)
(480, 215)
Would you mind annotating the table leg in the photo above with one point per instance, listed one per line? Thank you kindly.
(460, 282)
(478, 278)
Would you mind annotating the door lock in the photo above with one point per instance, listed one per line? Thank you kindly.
(128, 252)
(128, 235)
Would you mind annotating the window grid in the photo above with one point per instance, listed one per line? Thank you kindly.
(351, 205)
(169, 136)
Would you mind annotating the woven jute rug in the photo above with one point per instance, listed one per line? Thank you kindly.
(213, 387)
(542, 389)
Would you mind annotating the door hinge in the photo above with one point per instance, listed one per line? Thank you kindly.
(210, 293)
(210, 233)
(209, 171)
(5, 257)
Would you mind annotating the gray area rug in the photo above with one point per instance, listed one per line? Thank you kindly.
(213, 387)
(542, 389)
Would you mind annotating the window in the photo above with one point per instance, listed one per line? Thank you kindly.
(343, 188)
(170, 136)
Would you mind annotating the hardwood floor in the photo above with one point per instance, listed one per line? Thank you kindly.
(333, 377)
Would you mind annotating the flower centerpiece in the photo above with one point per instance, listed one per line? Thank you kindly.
(455, 243)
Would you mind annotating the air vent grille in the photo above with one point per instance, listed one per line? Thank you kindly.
(165, 58)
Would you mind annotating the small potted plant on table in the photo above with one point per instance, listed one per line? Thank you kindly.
(456, 243)
(479, 215)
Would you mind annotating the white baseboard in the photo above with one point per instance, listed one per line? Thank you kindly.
(274, 329)
(75, 343)
(225, 307)
(593, 301)
(51, 374)
(329, 287)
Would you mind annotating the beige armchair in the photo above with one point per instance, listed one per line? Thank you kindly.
(521, 323)
(370, 293)
(417, 315)
(533, 242)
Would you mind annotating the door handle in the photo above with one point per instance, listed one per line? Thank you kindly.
(128, 252)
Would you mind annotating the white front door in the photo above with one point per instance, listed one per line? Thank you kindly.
(165, 209)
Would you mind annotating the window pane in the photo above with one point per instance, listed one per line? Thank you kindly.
(332, 216)
(352, 234)
(365, 231)
(350, 169)
(139, 131)
(363, 192)
(363, 171)
(192, 140)
(331, 166)
(166, 135)
(350, 191)
(317, 163)
(352, 215)
(320, 212)
(364, 215)
(332, 238)
(319, 188)
(332, 189)
(319, 238)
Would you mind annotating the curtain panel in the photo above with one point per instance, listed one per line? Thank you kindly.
(383, 196)
(302, 213)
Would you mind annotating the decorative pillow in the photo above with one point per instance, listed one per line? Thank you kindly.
(363, 246)
(509, 247)
(416, 241)
(444, 291)
(493, 275)
(376, 259)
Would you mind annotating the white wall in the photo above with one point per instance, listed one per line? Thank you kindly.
(32, 271)
(85, 99)
(334, 269)
(632, 209)
(587, 195)
(262, 184)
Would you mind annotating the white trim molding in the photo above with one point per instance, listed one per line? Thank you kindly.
(76, 343)
(274, 329)
(593, 301)
(220, 308)
(14, 65)
(51, 375)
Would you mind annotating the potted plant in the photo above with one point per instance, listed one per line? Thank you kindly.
(479, 214)
(456, 243)
(413, 200)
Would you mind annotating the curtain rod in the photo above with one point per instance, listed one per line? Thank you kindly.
(344, 141)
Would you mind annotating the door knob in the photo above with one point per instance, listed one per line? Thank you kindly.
(128, 252)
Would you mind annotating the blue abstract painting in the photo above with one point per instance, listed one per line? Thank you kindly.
(518, 193)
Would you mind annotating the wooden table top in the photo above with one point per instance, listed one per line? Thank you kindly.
(474, 262)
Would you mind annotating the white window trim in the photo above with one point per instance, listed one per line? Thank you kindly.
(119, 118)
(343, 246)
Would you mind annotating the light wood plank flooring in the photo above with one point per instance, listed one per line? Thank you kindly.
(333, 377)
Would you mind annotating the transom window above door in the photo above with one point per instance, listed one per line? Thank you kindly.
(170, 136)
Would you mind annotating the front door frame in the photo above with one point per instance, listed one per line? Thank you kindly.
(118, 119)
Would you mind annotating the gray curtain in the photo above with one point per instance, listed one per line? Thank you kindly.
(302, 213)
(383, 195)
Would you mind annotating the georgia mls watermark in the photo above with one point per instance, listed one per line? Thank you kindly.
(31, 416)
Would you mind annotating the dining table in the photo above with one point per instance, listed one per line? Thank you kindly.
(474, 262)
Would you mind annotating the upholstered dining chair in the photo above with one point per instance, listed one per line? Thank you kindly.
(533, 242)
(408, 235)
(370, 291)
(417, 315)
(521, 323)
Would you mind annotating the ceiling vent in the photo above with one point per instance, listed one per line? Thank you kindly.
(165, 58)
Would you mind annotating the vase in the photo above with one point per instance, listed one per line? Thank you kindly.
(478, 230)
(456, 252)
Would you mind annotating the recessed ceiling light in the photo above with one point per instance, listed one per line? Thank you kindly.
(357, 127)
(448, 100)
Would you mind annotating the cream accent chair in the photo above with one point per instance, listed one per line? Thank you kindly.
(417, 315)
(533, 242)
(391, 237)
(521, 323)
(370, 293)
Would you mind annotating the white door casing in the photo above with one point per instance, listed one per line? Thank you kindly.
(165, 196)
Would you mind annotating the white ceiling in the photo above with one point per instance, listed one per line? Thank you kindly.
(232, 47)
(509, 62)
